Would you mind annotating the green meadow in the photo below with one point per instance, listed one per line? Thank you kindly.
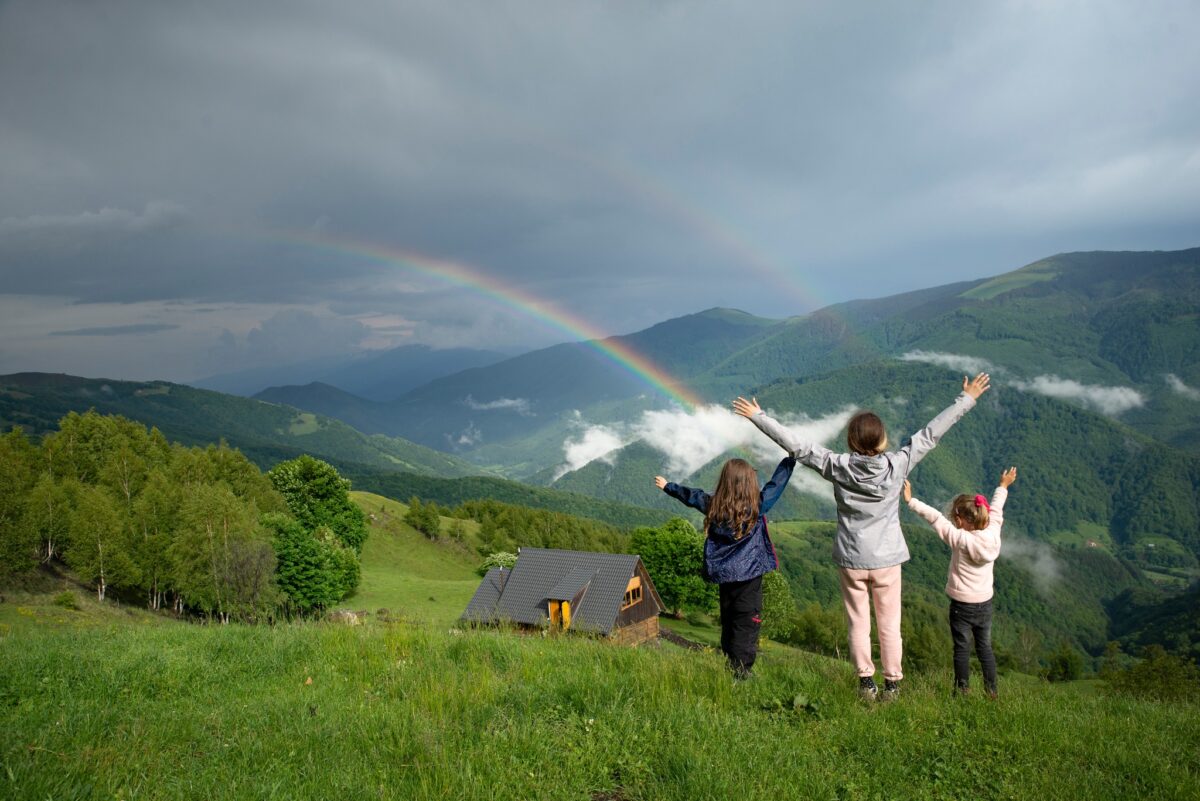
(110, 702)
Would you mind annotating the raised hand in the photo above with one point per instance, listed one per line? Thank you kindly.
(660, 482)
(746, 408)
(907, 490)
(1008, 477)
(978, 386)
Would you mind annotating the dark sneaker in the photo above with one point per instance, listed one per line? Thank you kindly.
(891, 690)
(962, 690)
(867, 689)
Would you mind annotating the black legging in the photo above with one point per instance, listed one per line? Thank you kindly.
(972, 621)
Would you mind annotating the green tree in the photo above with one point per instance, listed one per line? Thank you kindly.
(48, 515)
(779, 610)
(18, 462)
(1158, 675)
(215, 536)
(155, 520)
(820, 630)
(674, 557)
(317, 496)
(1065, 664)
(100, 545)
(424, 517)
(313, 569)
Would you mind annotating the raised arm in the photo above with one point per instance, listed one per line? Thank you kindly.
(697, 499)
(1001, 493)
(925, 440)
(809, 454)
(977, 547)
(774, 488)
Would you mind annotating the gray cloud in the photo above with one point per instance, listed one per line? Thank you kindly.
(288, 336)
(630, 162)
(116, 330)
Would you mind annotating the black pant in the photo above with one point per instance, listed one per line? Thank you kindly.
(966, 621)
(741, 618)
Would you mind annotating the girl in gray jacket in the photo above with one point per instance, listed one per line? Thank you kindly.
(869, 547)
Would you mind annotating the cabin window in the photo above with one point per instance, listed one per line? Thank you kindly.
(633, 592)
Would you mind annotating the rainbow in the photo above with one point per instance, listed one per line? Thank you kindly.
(544, 311)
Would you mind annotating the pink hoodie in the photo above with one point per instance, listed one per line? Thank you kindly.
(973, 552)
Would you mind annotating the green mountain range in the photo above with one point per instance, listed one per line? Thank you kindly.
(265, 432)
(1074, 324)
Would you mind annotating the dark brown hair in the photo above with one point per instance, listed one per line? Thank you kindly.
(735, 500)
(866, 434)
(963, 507)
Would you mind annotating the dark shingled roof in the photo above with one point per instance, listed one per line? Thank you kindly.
(541, 575)
(483, 603)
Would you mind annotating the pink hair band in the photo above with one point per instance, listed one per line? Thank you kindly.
(982, 501)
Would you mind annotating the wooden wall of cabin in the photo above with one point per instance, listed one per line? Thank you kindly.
(636, 633)
(643, 609)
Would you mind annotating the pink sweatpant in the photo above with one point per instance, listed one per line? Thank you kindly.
(859, 588)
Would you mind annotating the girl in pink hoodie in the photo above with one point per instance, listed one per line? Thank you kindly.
(974, 540)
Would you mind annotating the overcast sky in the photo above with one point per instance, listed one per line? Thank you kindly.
(625, 161)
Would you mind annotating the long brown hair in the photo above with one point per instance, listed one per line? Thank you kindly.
(735, 500)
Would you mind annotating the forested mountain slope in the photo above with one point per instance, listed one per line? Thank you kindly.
(266, 432)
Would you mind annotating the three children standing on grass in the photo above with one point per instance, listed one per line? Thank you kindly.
(869, 546)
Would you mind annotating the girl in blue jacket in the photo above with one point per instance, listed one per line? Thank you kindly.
(737, 549)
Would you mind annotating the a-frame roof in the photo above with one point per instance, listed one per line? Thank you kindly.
(483, 604)
(595, 581)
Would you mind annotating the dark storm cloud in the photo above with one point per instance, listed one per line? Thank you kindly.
(628, 161)
(116, 330)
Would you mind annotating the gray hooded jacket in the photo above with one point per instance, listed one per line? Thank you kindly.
(867, 488)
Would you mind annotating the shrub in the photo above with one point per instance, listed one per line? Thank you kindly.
(67, 600)
(1159, 676)
(1065, 664)
(502, 559)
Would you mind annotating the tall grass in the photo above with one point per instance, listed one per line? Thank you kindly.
(401, 711)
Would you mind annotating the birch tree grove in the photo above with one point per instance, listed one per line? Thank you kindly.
(200, 530)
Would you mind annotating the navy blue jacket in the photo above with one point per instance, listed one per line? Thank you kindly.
(729, 559)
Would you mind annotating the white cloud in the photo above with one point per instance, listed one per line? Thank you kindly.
(692, 439)
(596, 443)
(1036, 557)
(518, 405)
(956, 361)
(1106, 400)
(1176, 383)
(468, 437)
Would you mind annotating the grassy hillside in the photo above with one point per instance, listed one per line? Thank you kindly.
(406, 711)
(266, 432)
(408, 574)
(108, 701)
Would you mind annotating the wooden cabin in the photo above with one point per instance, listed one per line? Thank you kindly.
(606, 594)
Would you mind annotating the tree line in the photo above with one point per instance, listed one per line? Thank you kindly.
(200, 531)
